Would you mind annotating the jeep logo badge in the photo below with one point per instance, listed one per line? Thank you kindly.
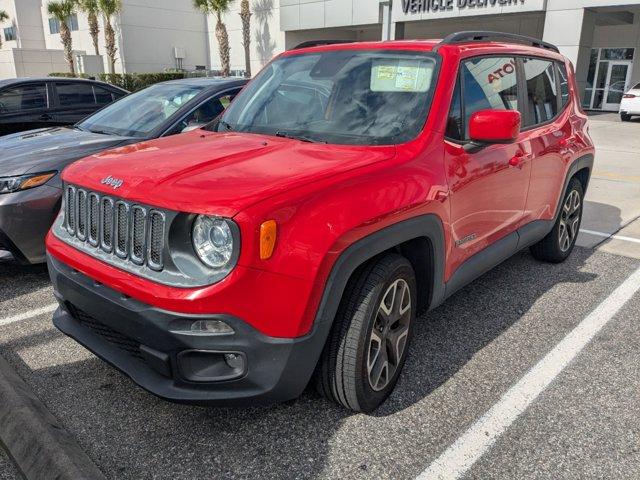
(112, 182)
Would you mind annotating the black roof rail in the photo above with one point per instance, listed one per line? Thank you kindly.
(319, 43)
(480, 36)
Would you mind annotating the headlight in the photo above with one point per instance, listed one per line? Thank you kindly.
(24, 182)
(213, 241)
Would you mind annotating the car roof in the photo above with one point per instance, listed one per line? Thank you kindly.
(210, 82)
(433, 45)
(20, 80)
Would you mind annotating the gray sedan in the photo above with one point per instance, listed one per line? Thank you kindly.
(31, 162)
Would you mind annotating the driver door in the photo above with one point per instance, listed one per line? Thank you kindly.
(488, 185)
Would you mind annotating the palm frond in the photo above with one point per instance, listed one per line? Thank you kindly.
(3, 16)
(88, 6)
(61, 9)
(110, 7)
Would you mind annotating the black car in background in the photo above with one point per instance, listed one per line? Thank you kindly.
(31, 162)
(28, 103)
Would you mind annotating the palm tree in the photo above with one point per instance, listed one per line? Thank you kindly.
(245, 16)
(4, 16)
(219, 7)
(61, 10)
(91, 8)
(109, 8)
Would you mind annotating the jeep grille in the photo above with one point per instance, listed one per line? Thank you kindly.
(131, 232)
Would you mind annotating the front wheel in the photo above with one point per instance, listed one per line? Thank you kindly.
(559, 243)
(368, 344)
(625, 117)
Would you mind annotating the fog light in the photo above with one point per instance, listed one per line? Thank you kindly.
(200, 327)
(234, 361)
(210, 327)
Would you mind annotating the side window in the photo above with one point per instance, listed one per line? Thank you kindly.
(102, 95)
(204, 114)
(542, 94)
(489, 83)
(27, 97)
(564, 83)
(74, 94)
(455, 125)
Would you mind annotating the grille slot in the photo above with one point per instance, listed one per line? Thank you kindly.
(106, 220)
(138, 234)
(70, 213)
(121, 341)
(156, 240)
(133, 233)
(81, 216)
(94, 219)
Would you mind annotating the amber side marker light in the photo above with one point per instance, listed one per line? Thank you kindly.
(268, 233)
(36, 181)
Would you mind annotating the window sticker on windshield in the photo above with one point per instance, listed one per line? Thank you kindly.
(396, 75)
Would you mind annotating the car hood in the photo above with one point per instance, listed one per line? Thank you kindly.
(215, 173)
(50, 149)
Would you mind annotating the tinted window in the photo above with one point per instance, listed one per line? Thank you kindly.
(103, 96)
(353, 97)
(72, 94)
(54, 26)
(564, 84)
(542, 95)
(27, 97)
(489, 83)
(455, 124)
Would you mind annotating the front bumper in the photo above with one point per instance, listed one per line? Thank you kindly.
(25, 219)
(138, 340)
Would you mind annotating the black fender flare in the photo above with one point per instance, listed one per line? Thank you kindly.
(585, 162)
(423, 226)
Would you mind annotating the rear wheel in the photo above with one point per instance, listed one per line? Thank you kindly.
(368, 344)
(625, 117)
(559, 243)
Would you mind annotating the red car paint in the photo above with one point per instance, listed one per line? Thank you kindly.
(324, 198)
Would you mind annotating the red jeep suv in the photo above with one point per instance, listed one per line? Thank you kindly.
(347, 188)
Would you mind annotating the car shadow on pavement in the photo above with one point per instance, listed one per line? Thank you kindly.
(447, 338)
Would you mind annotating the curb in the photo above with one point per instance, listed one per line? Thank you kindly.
(34, 438)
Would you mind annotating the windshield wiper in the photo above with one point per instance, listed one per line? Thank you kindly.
(301, 138)
(226, 125)
(102, 132)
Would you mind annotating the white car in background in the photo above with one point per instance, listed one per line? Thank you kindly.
(630, 104)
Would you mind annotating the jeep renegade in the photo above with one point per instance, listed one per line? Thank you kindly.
(346, 189)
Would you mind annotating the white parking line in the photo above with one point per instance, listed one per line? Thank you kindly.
(28, 315)
(608, 235)
(478, 439)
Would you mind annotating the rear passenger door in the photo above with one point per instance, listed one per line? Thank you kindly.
(547, 133)
(25, 107)
(488, 187)
(75, 101)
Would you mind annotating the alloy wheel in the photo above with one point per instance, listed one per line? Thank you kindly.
(570, 220)
(389, 334)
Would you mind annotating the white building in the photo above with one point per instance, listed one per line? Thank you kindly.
(152, 36)
(601, 37)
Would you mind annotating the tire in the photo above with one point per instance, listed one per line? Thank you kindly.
(343, 374)
(625, 117)
(557, 246)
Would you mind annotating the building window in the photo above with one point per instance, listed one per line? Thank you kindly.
(10, 34)
(54, 24)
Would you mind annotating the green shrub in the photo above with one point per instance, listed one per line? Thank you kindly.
(137, 81)
(129, 81)
(69, 75)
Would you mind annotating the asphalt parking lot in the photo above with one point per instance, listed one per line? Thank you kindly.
(532, 371)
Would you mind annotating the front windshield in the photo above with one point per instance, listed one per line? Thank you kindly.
(352, 97)
(139, 114)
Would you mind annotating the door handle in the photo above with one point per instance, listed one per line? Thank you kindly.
(518, 159)
(46, 116)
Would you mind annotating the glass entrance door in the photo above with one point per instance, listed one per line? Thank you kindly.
(618, 77)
